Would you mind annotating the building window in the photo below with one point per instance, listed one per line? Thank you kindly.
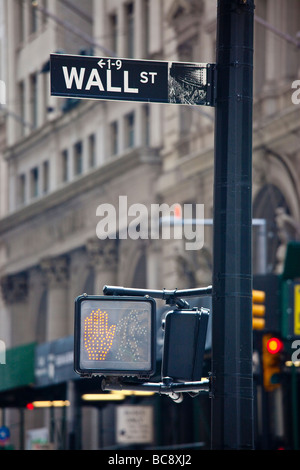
(65, 165)
(130, 29)
(146, 125)
(34, 182)
(78, 163)
(33, 100)
(129, 123)
(114, 138)
(92, 150)
(44, 16)
(114, 32)
(146, 19)
(20, 20)
(265, 206)
(45, 177)
(22, 107)
(22, 189)
(33, 19)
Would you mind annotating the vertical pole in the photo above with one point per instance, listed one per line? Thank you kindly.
(74, 418)
(232, 391)
(22, 428)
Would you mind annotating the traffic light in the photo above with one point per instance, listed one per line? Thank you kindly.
(258, 309)
(114, 336)
(271, 348)
(184, 344)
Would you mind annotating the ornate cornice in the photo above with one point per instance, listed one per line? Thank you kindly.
(102, 254)
(180, 8)
(14, 288)
(56, 270)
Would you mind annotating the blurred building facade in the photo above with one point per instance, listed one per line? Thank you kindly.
(62, 158)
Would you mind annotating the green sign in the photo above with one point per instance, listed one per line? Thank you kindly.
(19, 368)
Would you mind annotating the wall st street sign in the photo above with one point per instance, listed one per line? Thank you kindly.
(132, 80)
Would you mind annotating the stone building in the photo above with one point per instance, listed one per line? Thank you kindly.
(63, 158)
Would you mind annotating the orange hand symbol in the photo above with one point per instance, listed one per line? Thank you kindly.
(98, 337)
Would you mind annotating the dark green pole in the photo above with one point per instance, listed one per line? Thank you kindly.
(232, 382)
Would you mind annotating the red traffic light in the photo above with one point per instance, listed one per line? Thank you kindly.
(178, 211)
(274, 345)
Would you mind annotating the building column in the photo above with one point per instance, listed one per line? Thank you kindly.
(153, 273)
(274, 44)
(103, 258)
(57, 277)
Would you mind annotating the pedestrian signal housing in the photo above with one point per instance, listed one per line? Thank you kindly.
(184, 344)
(114, 336)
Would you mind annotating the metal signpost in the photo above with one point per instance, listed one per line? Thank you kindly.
(227, 86)
(232, 401)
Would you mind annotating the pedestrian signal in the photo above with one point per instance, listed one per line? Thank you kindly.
(114, 336)
(258, 309)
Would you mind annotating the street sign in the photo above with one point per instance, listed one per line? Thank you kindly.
(131, 80)
(297, 309)
(134, 424)
(4, 435)
(290, 305)
(54, 362)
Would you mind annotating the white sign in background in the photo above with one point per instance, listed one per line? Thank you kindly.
(134, 424)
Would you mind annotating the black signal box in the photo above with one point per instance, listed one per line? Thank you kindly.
(184, 344)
